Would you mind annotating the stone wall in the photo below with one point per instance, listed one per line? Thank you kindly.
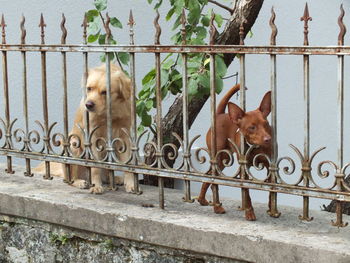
(50, 221)
(23, 240)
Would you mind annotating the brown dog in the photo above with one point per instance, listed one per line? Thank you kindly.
(255, 129)
(96, 104)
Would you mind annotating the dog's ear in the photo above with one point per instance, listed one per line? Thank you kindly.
(235, 112)
(125, 87)
(265, 105)
(122, 84)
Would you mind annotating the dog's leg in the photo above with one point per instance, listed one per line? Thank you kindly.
(77, 170)
(201, 197)
(249, 211)
(96, 174)
(129, 183)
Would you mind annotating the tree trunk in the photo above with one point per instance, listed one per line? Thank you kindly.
(172, 121)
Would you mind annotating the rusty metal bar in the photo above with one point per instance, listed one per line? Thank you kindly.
(25, 100)
(186, 150)
(134, 149)
(86, 119)
(159, 112)
(67, 175)
(340, 174)
(46, 137)
(242, 94)
(213, 150)
(273, 211)
(199, 177)
(306, 169)
(237, 49)
(109, 147)
(8, 142)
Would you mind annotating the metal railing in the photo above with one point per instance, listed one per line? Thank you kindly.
(306, 184)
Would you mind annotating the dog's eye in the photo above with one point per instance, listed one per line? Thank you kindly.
(103, 92)
(88, 88)
(252, 128)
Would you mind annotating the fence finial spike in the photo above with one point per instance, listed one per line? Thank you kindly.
(131, 19)
(306, 18)
(183, 29)
(108, 30)
(23, 30)
(158, 29)
(131, 24)
(84, 25)
(3, 25)
(213, 30)
(42, 25)
(64, 30)
(342, 26)
(273, 27)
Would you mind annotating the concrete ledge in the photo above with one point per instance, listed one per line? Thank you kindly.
(181, 225)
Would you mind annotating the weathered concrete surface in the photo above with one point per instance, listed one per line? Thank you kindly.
(30, 241)
(181, 225)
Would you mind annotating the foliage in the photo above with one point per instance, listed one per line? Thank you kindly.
(197, 27)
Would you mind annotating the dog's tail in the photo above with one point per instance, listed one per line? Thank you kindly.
(222, 105)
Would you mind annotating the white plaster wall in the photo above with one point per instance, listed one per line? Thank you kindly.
(323, 31)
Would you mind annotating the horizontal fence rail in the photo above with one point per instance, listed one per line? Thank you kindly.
(59, 146)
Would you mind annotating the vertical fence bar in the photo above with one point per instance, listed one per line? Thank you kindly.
(133, 104)
(340, 174)
(306, 169)
(159, 112)
(109, 148)
(86, 120)
(46, 137)
(187, 197)
(67, 174)
(273, 211)
(242, 95)
(25, 99)
(213, 150)
(6, 98)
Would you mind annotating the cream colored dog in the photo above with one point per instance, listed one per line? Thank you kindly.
(96, 105)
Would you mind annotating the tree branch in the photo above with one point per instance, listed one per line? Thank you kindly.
(221, 5)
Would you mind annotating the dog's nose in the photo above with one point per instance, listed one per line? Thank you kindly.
(90, 105)
(267, 139)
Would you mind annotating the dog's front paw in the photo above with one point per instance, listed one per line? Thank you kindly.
(129, 187)
(82, 184)
(97, 190)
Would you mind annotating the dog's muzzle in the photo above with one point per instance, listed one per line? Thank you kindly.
(90, 105)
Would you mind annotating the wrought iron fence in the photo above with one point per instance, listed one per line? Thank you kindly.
(306, 184)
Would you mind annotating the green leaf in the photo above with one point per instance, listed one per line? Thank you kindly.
(156, 6)
(149, 76)
(201, 32)
(219, 20)
(124, 57)
(100, 5)
(149, 104)
(204, 81)
(91, 14)
(205, 21)
(93, 27)
(164, 77)
(93, 38)
(192, 87)
(220, 66)
(102, 39)
(170, 14)
(149, 1)
(219, 84)
(116, 23)
(146, 120)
